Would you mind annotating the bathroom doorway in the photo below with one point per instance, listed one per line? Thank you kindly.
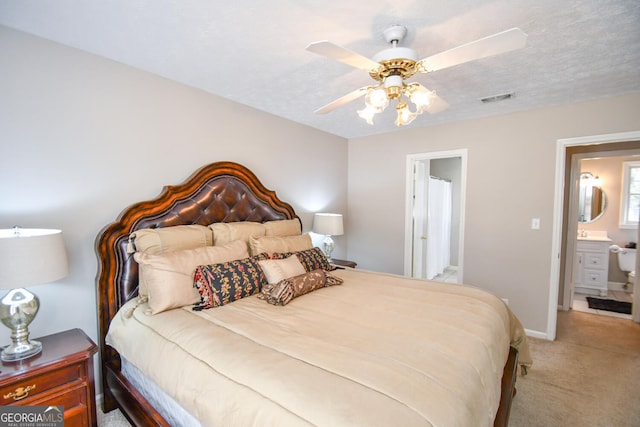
(435, 215)
(593, 270)
(565, 213)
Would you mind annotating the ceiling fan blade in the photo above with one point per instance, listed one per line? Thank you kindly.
(496, 44)
(342, 100)
(436, 104)
(339, 53)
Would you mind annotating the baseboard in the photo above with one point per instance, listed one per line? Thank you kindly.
(618, 286)
(536, 334)
(99, 399)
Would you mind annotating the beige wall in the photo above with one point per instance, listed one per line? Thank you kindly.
(82, 137)
(510, 180)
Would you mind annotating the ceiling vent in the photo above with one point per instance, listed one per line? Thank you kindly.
(496, 98)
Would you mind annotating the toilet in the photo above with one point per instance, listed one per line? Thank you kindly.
(627, 263)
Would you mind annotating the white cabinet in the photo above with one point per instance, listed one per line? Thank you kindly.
(591, 267)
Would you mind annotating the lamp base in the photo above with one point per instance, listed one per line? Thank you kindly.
(17, 309)
(15, 352)
(328, 247)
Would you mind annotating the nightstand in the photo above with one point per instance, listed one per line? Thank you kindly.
(62, 374)
(343, 263)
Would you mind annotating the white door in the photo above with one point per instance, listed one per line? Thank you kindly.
(420, 225)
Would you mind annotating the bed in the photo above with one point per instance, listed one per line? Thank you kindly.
(371, 349)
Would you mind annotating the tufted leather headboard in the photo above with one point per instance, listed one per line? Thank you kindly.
(218, 192)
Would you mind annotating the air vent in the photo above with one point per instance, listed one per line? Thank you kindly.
(496, 98)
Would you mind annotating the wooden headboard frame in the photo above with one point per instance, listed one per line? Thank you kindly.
(218, 192)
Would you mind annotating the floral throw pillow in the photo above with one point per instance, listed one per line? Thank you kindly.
(311, 259)
(220, 284)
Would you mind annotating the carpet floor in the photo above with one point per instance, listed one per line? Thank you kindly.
(112, 419)
(589, 376)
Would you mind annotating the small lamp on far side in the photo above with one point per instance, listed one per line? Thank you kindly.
(28, 257)
(329, 224)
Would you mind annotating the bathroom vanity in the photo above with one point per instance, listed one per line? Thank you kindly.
(591, 264)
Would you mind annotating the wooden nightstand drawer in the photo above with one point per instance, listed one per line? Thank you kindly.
(74, 402)
(34, 387)
(62, 375)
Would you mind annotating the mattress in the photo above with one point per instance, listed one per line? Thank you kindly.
(170, 410)
(379, 349)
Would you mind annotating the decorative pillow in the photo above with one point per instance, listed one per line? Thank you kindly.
(156, 241)
(332, 280)
(271, 244)
(279, 269)
(285, 227)
(311, 259)
(167, 279)
(283, 292)
(224, 232)
(222, 283)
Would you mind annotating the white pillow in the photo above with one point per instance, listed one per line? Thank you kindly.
(277, 270)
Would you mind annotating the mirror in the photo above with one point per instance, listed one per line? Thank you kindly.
(592, 201)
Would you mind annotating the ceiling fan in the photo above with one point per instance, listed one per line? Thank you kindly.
(391, 68)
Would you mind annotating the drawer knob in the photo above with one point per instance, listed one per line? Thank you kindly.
(20, 392)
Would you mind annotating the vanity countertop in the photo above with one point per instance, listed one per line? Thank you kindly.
(593, 235)
(595, 238)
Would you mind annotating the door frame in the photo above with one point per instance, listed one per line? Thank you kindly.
(408, 239)
(558, 213)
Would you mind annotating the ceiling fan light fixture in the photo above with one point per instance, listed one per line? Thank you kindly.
(391, 67)
(420, 96)
(405, 116)
(367, 113)
(376, 99)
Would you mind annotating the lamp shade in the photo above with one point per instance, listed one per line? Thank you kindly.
(31, 256)
(329, 224)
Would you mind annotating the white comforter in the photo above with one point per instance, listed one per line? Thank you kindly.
(378, 350)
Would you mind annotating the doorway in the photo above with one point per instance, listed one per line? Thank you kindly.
(565, 224)
(434, 215)
(592, 270)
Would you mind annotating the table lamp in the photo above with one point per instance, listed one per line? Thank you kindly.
(329, 224)
(28, 256)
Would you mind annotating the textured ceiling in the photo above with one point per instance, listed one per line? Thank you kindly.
(253, 52)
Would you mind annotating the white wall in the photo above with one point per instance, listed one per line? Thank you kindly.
(510, 180)
(83, 137)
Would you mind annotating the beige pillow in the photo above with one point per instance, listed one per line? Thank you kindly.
(285, 227)
(271, 244)
(279, 269)
(167, 279)
(160, 240)
(225, 232)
